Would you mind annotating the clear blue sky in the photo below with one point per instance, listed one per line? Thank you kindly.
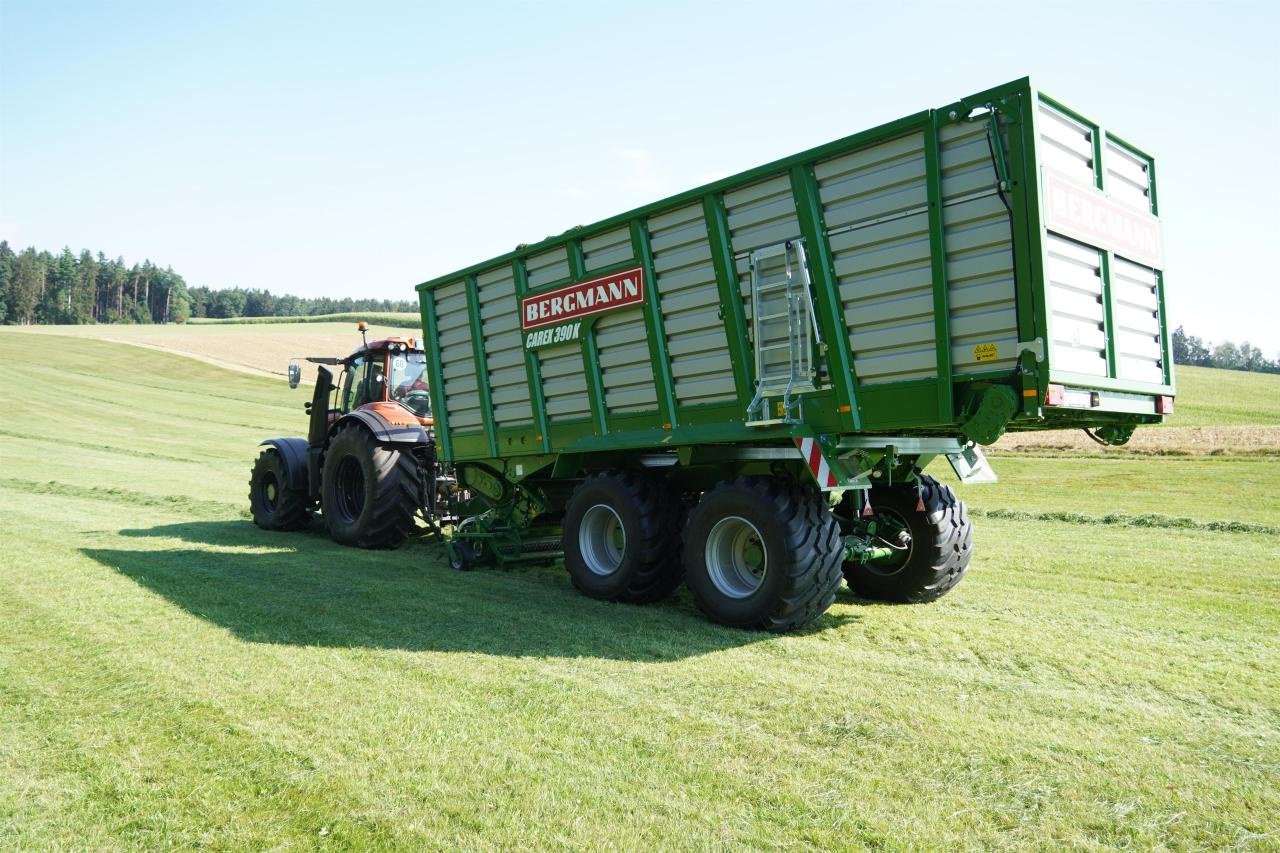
(359, 148)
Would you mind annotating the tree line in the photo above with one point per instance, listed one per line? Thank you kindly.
(40, 287)
(1189, 349)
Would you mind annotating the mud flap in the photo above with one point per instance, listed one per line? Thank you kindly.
(971, 465)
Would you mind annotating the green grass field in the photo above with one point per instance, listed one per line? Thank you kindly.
(170, 676)
(1209, 397)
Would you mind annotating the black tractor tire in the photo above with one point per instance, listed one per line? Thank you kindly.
(370, 491)
(939, 552)
(621, 537)
(762, 553)
(274, 505)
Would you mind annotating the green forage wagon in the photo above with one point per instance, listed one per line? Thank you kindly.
(740, 387)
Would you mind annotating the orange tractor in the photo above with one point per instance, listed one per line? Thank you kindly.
(369, 458)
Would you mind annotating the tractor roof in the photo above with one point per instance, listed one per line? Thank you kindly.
(410, 344)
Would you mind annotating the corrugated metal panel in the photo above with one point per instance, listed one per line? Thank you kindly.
(610, 249)
(547, 267)
(457, 361)
(761, 214)
(1135, 312)
(1077, 317)
(875, 204)
(1066, 144)
(697, 344)
(504, 347)
(981, 300)
(1128, 177)
(622, 342)
(564, 382)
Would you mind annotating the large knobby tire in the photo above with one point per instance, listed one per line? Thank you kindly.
(762, 553)
(274, 505)
(621, 537)
(941, 545)
(370, 491)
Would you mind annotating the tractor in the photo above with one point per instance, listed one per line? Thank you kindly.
(368, 462)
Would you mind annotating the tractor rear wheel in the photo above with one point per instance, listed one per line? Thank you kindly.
(370, 491)
(762, 553)
(621, 537)
(274, 505)
(938, 544)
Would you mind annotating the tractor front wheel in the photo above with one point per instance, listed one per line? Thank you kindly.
(274, 505)
(370, 490)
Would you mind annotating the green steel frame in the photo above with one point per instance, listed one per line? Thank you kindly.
(844, 405)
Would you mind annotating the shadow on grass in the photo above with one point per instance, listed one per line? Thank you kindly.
(302, 589)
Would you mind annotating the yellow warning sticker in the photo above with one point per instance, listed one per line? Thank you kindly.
(986, 352)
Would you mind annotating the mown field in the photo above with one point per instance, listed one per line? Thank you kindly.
(170, 676)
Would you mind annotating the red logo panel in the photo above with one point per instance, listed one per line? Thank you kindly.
(606, 293)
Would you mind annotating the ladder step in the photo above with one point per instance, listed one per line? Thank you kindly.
(770, 288)
(767, 317)
(771, 347)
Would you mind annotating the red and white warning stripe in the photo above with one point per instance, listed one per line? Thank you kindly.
(812, 454)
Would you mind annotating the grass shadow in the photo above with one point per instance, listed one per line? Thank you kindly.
(302, 589)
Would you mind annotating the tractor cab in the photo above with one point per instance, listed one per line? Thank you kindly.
(387, 376)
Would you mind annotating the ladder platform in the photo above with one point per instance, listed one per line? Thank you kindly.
(774, 422)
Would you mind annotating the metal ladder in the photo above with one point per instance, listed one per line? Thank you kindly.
(784, 332)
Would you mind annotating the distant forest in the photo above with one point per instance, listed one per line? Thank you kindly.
(40, 287)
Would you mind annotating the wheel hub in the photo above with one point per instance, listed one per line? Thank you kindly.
(602, 541)
(350, 489)
(735, 557)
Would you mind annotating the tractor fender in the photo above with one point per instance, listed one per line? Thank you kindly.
(293, 452)
(384, 430)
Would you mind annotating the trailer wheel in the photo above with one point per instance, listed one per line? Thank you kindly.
(762, 553)
(621, 537)
(938, 540)
(273, 504)
(370, 491)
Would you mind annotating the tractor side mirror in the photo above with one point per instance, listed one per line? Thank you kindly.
(295, 374)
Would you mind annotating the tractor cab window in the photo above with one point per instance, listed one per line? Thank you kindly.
(409, 382)
(362, 383)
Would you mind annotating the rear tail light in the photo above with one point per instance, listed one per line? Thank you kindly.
(1164, 405)
(1055, 395)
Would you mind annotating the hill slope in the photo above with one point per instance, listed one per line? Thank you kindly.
(172, 676)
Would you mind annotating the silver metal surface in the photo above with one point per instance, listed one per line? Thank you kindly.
(735, 557)
(626, 370)
(784, 331)
(601, 540)
(875, 207)
(1128, 177)
(1135, 312)
(457, 361)
(979, 264)
(1065, 144)
(1074, 285)
(697, 344)
(971, 466)
(564, 382)
(504, 347)
(902, 444)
